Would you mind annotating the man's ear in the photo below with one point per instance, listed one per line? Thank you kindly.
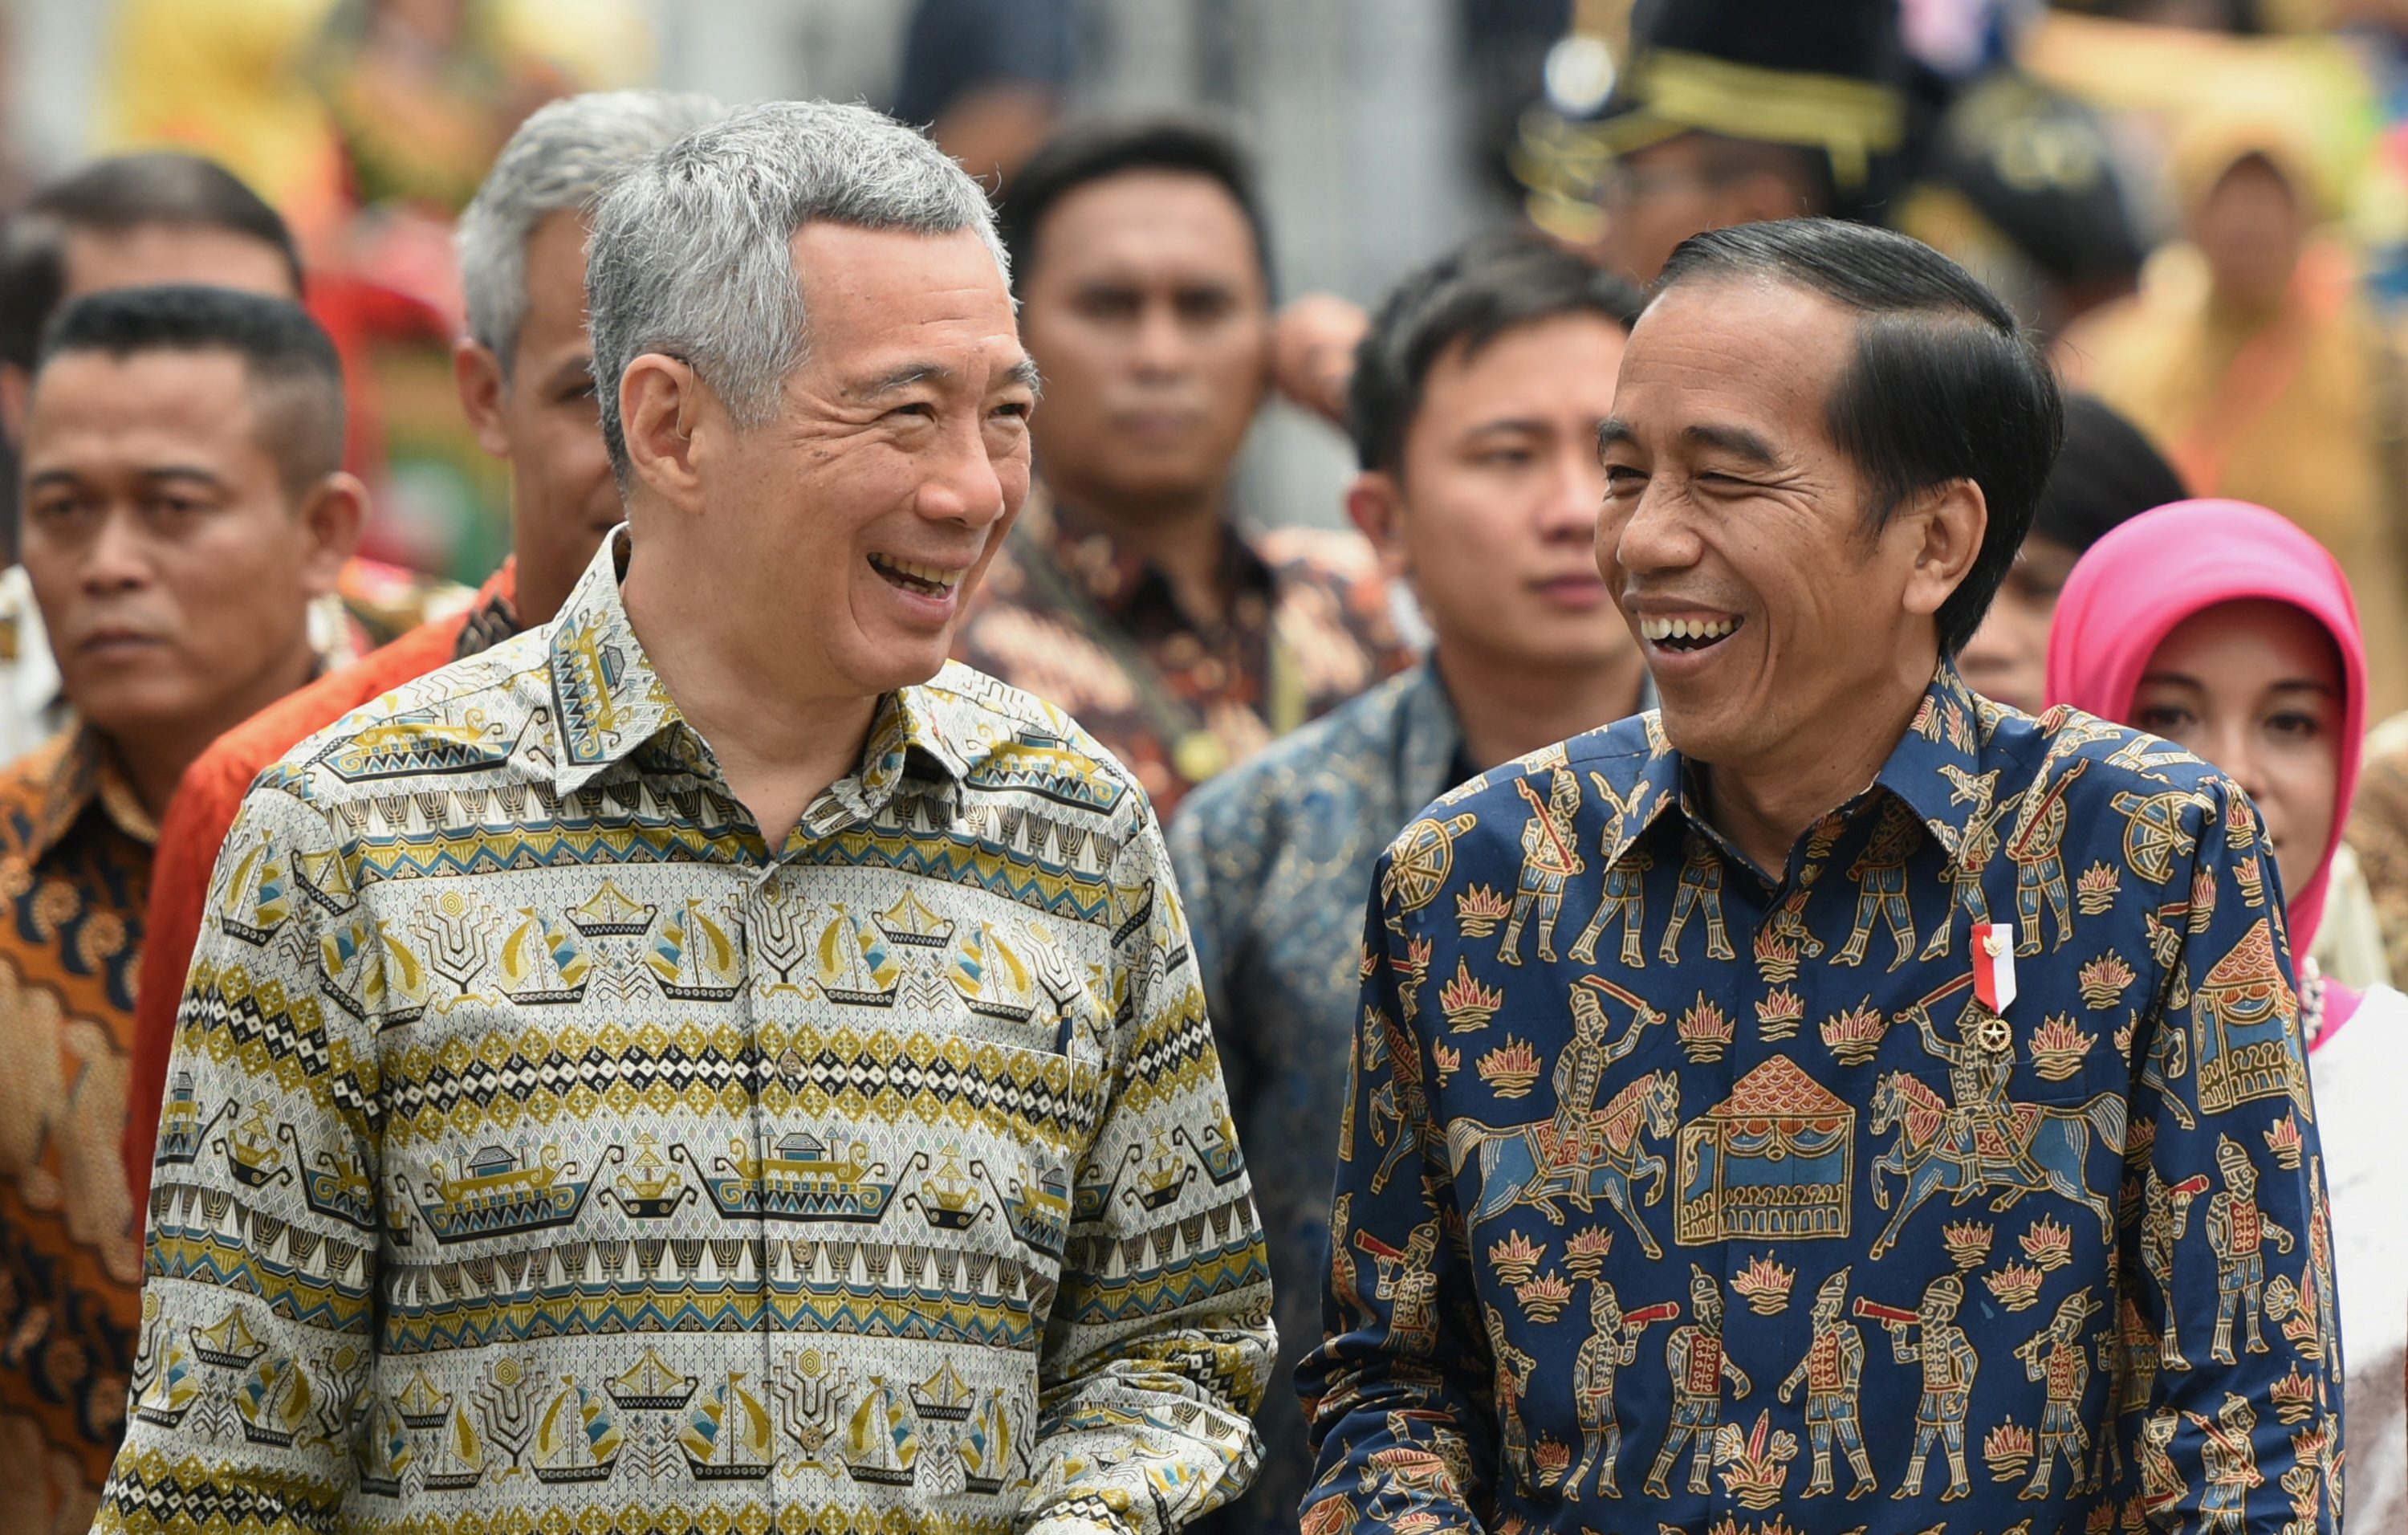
(477, 373)
(1377, 504)
(660, 399)
(332, 515)
(1947, 525)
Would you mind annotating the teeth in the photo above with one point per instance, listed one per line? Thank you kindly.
(1660, 629)
(933, 575)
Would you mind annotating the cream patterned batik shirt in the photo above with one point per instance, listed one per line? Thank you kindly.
(542, 1154)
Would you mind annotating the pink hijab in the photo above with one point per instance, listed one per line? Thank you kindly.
(2140, 583)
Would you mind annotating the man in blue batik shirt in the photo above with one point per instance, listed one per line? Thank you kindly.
(1982, 1133)
(1475, 407)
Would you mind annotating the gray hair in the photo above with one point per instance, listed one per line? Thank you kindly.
(692, 253)
(559, 161)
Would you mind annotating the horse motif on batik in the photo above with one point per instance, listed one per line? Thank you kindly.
(2030, 1148)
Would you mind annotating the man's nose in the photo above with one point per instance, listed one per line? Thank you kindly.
(1648, 532)
(118, 558)
(964, 482)
(1575, 493)
(1160, 345)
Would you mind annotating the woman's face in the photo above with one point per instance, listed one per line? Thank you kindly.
(2255, 689)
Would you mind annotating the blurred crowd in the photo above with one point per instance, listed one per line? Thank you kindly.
(231, 522)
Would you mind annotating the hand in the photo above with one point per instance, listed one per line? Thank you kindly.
(1312, 354)
(1788, 1389)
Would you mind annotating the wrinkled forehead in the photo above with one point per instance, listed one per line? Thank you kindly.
(1723, 352)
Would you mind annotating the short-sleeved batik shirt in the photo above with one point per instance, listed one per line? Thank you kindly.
(1962, 1172)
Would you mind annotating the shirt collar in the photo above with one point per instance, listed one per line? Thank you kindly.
(1932, 770)
(1936, 763)
(82, 776)
(1114, 576)
(610, 702)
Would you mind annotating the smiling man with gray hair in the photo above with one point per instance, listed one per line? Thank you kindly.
(708, 1062)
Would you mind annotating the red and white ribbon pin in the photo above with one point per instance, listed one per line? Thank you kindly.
(1994, 964)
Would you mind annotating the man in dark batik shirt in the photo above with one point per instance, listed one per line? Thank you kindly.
(1129, 596)
(1974, 1029)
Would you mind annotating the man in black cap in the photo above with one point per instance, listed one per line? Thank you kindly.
(1733, 111)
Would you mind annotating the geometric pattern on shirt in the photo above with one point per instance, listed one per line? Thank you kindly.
(539, 1147)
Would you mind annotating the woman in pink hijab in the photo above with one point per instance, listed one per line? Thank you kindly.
(2226, 629)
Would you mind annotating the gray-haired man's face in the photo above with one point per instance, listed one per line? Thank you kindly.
(858, 519)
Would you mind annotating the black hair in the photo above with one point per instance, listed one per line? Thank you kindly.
(1472, 296)
(1944, 386)
(297, 381)
(2106, 474)
(1091, 151)
(115, 195)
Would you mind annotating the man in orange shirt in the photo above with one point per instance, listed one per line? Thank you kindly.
(525, 379)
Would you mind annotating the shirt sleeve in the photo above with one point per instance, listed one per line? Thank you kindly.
(244, 1238)
(1160, 1338)
(2233, 1269)
(1398, 1394)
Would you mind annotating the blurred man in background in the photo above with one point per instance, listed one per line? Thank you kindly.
(1733, 111)
(1476, 406)
(130, 221)
(1130, 595)
(185, 503)
(526, 380)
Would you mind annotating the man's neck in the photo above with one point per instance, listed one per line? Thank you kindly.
(1183, 539)
(1505, 711)
(776, 760)
(1765, 806)
(153, 761)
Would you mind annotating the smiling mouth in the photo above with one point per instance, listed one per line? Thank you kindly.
(1684, 634)
(926, 580)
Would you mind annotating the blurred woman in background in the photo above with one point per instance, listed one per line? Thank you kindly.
(2225, 628)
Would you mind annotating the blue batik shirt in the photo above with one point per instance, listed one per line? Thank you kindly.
(1674, 1195)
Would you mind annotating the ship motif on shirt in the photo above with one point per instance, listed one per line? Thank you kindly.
(855, 969)
(577, 1439)
(698, 956)
(542, 962)
(503, 1192)
(258, 895)
(804, 1178)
